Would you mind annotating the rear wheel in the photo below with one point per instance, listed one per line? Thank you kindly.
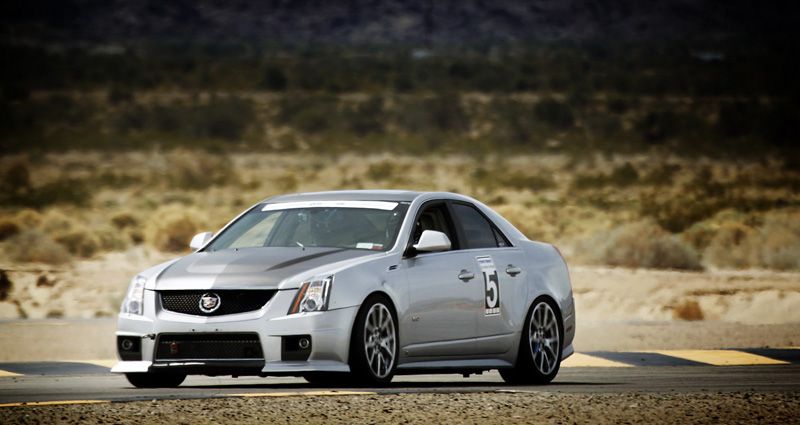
(539, 357)
(155, 380)
(374, 345)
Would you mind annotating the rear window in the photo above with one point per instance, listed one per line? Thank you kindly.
(478, 231)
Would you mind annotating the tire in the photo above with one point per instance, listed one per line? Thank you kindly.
(540, 346)
(374, 345)
(155, 380)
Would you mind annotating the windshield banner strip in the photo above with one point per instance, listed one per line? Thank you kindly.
(370, 205)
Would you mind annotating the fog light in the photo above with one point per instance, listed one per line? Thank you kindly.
(126, 344)
(304, 343)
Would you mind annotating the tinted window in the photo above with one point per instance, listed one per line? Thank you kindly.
(478, 231)
(433, 218)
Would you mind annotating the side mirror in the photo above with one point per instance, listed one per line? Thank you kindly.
(200, 240)
(431, 241)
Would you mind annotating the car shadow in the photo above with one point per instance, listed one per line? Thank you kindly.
(403, 386)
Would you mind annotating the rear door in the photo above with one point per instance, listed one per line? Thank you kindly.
(501, 277)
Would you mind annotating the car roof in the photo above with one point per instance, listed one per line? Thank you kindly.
(348, 195)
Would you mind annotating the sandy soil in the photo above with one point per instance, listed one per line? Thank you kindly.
(474, 408)
(84, 289)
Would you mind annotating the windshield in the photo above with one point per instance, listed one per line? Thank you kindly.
(344, 224)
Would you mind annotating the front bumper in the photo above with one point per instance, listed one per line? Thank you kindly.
(329, 333)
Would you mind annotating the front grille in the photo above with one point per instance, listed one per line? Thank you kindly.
(231, 301)
(208, 346)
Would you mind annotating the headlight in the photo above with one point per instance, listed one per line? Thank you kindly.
(312, 296)
(133, 302)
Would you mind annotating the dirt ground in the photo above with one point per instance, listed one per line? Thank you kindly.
(472, 408)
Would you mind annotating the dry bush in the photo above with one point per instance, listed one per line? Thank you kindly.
(5, 285)
(172, 227)
(642, 244)
(699, 235)
(80, 242)
(778, 241)
(198, 169)
(8, 228)
(33, 246)
(766, 241)
(29, 218)
(112, 239)
(123, 220)
(731, 246)
(687, 310)
(55, 222)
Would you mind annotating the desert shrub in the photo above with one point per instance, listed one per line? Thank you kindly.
(442, 112)
(123, 220)
(79, 241)
(699, 235)
(642, 244)
(17, 189)
(554, 113)
(731, 246)
(661, 175)
(383, 171)
(5, 285)
(514, 122)
(308, 114)
(274, 79)
(492, 178)
(679, 212)
(778, 242)
(622, 176)
(8, 228)
(198, 169)
(286, 183)
(687, 310)
(28, 218)
(172, 227)
(31, 245)
(366, 117)
(54, 221)
(112, 239)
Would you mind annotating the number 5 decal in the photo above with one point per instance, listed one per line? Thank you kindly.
(491, 285)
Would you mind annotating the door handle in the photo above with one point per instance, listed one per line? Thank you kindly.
(513, 270)
(466, 275)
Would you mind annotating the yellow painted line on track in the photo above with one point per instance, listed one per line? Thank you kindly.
(719, 357)
(7, 374)
(585, 360)
(52, 403)
(303, 394)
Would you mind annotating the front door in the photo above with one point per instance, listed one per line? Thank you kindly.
(444, 293)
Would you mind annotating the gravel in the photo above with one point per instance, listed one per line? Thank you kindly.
(453, 408)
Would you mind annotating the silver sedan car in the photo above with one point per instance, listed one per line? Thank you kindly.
(364, 283)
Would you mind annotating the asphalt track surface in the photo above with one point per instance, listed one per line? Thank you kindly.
(100, 386)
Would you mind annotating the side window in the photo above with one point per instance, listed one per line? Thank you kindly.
(434, 217)
(478, 231)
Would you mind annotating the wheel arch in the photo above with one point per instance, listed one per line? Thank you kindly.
(392, 306)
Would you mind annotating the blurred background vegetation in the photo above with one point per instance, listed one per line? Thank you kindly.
(662, 137)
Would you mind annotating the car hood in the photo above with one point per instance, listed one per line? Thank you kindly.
(263, 268)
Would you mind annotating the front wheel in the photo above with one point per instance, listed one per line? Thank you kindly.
(155, 380)
(374, 346)
(539, 355)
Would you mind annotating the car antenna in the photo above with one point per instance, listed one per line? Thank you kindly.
(300, 245)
